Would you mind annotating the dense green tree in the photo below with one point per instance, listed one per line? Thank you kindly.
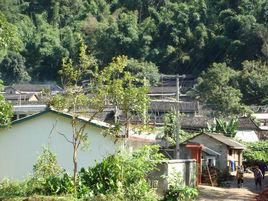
(5, 109)
(116, 36)
(44, 52)
(141, 6)
(143, 69)
(180, 37)
(59, 12)
(263, 33)
(9, 38)
(216, 89)
(12, 69)
(253, 82)
(177, 36)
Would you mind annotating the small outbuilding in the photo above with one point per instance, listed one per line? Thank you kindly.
(217, 150)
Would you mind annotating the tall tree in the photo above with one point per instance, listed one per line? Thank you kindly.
(143, 69)
(215, 88)
(126, 91)
(75, 101)
(253, 82)
(12, 69)
(112, 83)
(9, 38)
(5, 109)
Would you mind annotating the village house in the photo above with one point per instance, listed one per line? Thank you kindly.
(20, 99)
(27, 99)
(207, 150)
(215, 149)
(32, 89)
(262, 119)
(167, 89)
(21, 144)
(248, 130)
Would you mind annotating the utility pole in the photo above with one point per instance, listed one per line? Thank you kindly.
(177, 112)
(177, 149)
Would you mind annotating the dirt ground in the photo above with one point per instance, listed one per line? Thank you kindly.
(247, 193)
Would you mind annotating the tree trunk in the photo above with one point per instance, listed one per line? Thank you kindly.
(75, 165)
(127, 127)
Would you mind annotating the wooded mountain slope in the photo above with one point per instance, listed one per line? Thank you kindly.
(177, 36)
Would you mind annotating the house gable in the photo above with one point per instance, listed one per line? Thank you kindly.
(11, 90)
(21, 144)
(215, 145)
(95, 123)
(247, 124)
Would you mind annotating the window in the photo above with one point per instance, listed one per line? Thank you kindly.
(230, 152)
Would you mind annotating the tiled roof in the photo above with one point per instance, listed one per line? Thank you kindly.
(226, 140)
(221, 138)
(160, 106)
(35, 87)
(14, 97)
(168, 85)
(246, 123)
(197, 123)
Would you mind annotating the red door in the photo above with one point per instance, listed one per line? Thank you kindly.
(196, 150)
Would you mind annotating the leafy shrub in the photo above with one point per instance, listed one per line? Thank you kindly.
(105, 197)
(41, 198)
(118, 177)
(123, 174)
(177, 191)
(140, 191)
(46, 165)
(9, 189)
(56, 185)
(228, 128)
(255, 152)
(104, 177)
(47, 179)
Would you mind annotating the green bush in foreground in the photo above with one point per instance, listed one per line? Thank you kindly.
(123, 174)
(178, 191)
(119, 177)
(48, 179)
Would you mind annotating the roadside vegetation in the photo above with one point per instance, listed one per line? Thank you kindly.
(256, 152)
(119, 177)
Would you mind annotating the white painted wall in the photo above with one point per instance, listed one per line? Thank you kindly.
(247, 136)
(21, 145)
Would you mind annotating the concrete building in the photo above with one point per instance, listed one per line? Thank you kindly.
(217, 149)
(21, 144)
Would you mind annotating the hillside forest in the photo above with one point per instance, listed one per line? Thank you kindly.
(227, 39)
